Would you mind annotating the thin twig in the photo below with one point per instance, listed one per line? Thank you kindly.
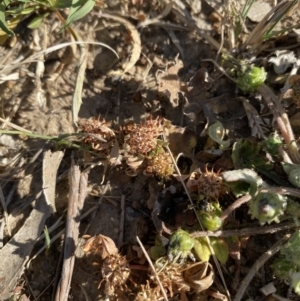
(78, 191)
(152, 268)
(122, 219)
(246, 198)
(242, 200)
(259, 263)
(96, 207)
(247, 231)
(4, 206)
(198, 219)
(282, 121)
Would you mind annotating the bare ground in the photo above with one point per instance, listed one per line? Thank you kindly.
(120, 97)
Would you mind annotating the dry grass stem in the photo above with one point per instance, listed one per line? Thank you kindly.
(282, 121)
(247, 231)
(257, 265)
(153, 269)
(122, 220)
(206, 237)
(77, 194)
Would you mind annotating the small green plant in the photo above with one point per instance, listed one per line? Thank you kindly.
(210, 218)
(183, 245)
(250, 78)
(287, 266)
(13, 12)
(267, 207)
(180, 246)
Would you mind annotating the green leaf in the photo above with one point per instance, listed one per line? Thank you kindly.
(60, 4)
(272, 143)
(217, 132)
(283, 267)
(220, 248)
(210, 220)
(242, 181)
(157, 252)
(251, 79)
(247, 154)
(15, 9)
(3, 24)
(201, 249)
(180, 244)
(78, 11)
(36, 22)
(267, 207)
(291, 250)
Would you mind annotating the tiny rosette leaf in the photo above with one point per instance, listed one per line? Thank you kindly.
(293, 172)
(180, 245)
(282, 268)
(267, 207)
(291, 250)
(211, 221)
(251, 79)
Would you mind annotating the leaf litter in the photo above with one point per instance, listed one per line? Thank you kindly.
(125, 144)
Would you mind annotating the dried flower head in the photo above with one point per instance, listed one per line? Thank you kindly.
(147, 293)
(171, 277)
(208, 184)
(115, 271)
(98, 134)
(160, 164)
(142, 138)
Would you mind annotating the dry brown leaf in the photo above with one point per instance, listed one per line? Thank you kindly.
(102, 245)
(114, 156)
(51, 162)
(133, 163)
(192, 182)
(200, 276)
(115, 272)
(254, 120)
(181, 140)
(169, 83)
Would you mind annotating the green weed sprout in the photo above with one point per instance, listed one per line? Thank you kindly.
(267, 207)
(288, 264)
(13, 12)
(210, 218)
(180, 246)
(251, 78)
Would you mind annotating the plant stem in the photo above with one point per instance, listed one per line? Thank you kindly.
(257, 265)
(282, 121)
(246, 231)
(246, 198)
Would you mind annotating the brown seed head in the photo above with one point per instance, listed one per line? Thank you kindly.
(209, 184)
(142, 138)
(98, 134)
(161, 164)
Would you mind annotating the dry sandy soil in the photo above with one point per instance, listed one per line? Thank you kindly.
(173, 77)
